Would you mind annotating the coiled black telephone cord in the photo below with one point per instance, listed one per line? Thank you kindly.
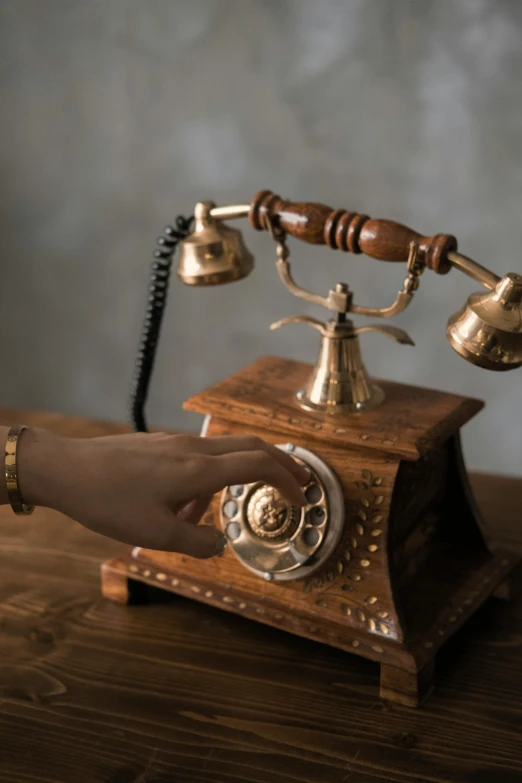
(157, 299)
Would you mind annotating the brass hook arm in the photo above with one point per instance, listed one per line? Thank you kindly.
(401, 303)
(399, 335)
(338, 301)
(300, 319)
(404, 297)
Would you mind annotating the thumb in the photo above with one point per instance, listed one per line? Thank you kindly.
(200, 541)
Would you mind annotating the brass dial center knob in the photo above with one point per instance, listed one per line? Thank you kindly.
(268, 514)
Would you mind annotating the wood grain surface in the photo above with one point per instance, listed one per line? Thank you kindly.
(177, 691)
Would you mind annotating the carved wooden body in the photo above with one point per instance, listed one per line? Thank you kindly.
(412, 564)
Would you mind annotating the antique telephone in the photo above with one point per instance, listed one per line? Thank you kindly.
(388, 558)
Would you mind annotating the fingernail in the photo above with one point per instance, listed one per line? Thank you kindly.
(221, 545)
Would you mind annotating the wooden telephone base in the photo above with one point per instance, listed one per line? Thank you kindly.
(412, 564)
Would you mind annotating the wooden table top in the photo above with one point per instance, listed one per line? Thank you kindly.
(180, 692)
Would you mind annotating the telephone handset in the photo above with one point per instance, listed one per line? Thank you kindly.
(388, 558)
(487, 331)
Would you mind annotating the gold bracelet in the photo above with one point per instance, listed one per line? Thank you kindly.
(11, 472)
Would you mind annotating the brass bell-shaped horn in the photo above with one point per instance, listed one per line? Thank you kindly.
(214, 253)
(488, 330)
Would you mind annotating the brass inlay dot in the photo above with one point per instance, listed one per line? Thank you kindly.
(373, 548)
(376, 532)
(174, 582)
(161, 577)
(363, 514)
(355, 643)
(354, 543)
(377, 649)
(377, 481)
(347, 556)
(356, 577)
(365, 563)
(372, 625)
(359, 528)
(146, 573)
(340, 567)
(209, 594)
(382, 614)
(384, 628)
(371, 599)
(346, 609)
(227, 599)
(242, 605)
(361, 615)
(134, 569)
(195, 589)
(377, 518)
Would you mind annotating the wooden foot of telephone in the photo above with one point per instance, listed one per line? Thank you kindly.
(388, 559)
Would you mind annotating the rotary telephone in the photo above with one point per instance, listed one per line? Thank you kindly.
(388, 558)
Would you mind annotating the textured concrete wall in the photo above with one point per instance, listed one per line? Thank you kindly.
(119, 114)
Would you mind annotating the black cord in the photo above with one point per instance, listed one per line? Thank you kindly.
(158, 290)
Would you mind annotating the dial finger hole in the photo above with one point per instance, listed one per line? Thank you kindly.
(230, 509)
(313, 493)
(311, 537)
(316, 516)
(233, 530)
(236, 490)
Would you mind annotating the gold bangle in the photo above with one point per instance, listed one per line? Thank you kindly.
(11, 472)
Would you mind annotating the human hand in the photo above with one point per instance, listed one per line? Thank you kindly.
(149, 490)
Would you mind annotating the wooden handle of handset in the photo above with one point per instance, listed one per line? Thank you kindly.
(350, 231)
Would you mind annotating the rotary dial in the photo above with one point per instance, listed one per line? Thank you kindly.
(275, 539)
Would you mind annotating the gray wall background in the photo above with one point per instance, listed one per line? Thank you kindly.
(119, 114)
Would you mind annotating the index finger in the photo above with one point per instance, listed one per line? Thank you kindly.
(225, 444)
(246, 467)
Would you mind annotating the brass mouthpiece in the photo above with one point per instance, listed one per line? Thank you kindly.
(487, 331)
(214, 253)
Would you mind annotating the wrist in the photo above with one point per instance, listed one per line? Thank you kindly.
(40, 453)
